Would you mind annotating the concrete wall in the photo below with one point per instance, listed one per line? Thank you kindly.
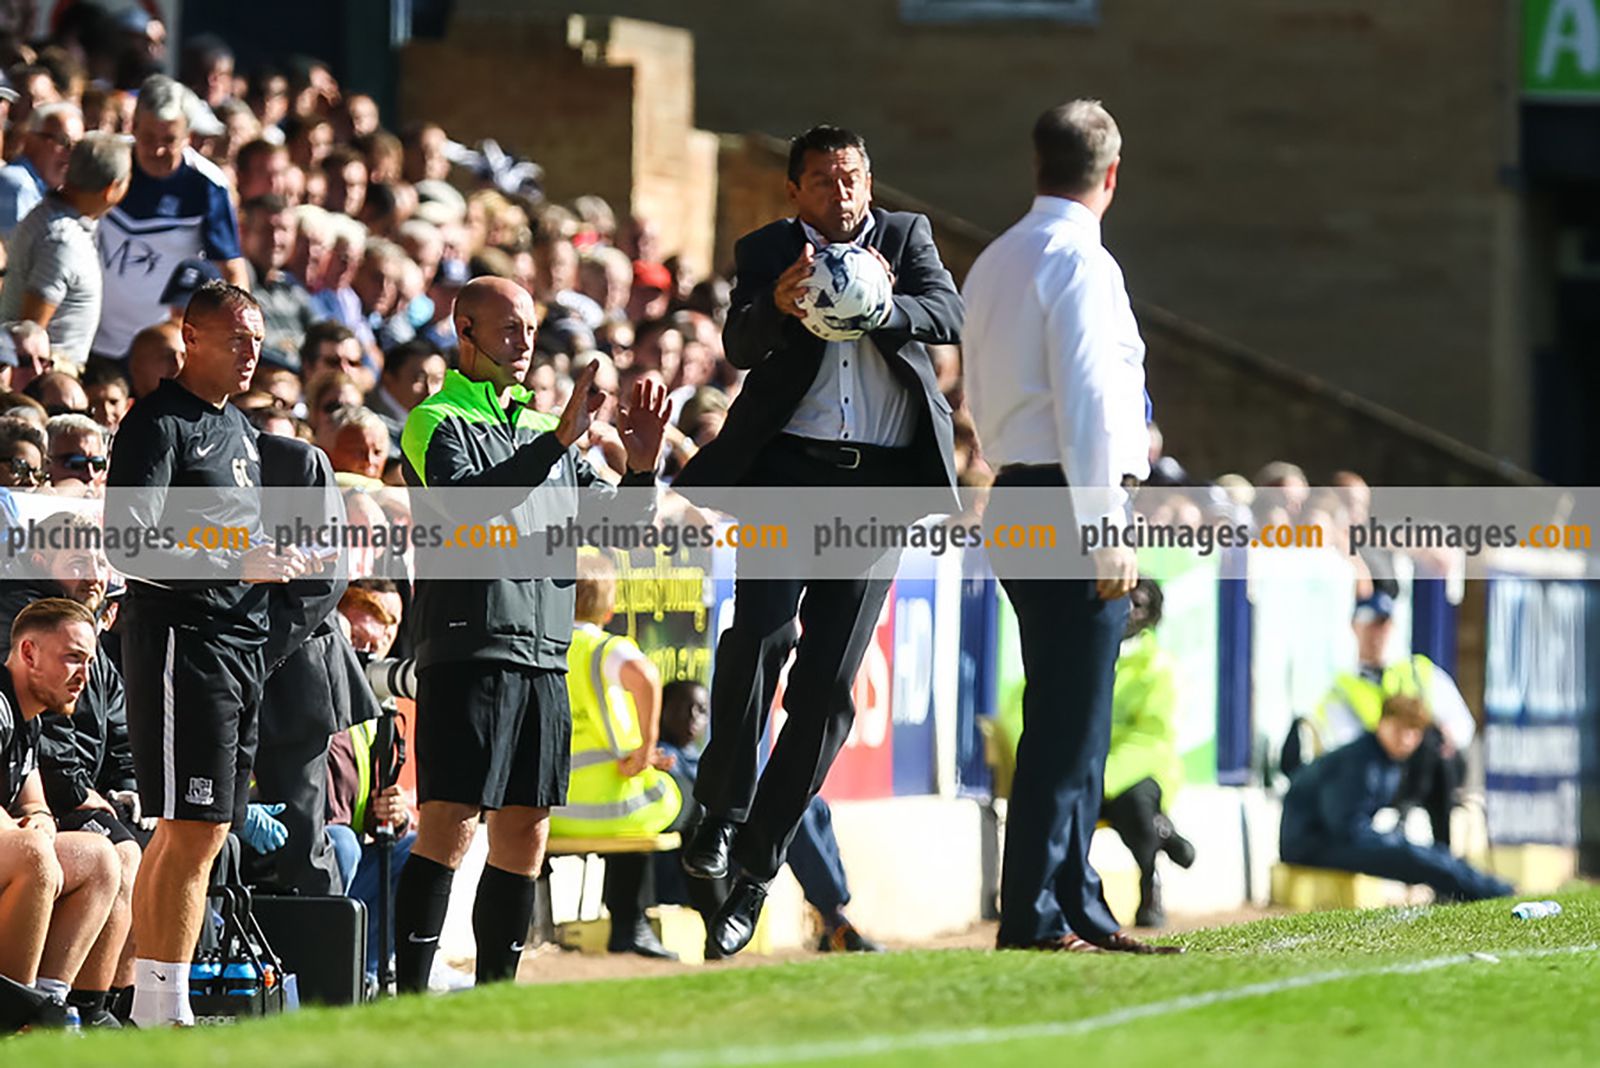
(1319, 180)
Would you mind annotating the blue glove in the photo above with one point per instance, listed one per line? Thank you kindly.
(261, 832)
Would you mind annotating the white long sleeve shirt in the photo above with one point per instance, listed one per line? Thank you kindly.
(1054, 365)
(855, 398)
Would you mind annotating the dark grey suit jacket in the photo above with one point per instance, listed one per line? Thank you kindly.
(783, 357)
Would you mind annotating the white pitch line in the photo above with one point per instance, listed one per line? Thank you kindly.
(877, 1045)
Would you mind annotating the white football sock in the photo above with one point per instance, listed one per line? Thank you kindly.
(161, 994)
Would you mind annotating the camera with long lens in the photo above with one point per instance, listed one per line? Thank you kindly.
(391, 678)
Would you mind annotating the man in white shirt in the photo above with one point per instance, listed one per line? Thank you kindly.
(1055, 379)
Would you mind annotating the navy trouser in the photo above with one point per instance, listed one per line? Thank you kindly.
(1391, 856)
(814, 859)
(1070, 639)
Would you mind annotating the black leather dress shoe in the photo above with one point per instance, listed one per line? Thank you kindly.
(706, 854)
(735, 922)
(638, 938)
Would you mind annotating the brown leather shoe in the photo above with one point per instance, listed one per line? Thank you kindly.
(1067, 943)
(1120, 942)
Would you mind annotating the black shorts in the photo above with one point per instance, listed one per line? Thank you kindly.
(97, 821)
(192, 701)
(492, 734)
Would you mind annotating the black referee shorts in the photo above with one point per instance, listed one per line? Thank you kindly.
(492, 735)
(192, 702)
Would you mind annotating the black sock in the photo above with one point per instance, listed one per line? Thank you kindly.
(420, 903)
(501, 916)
(89, 1003)
(121, 1002)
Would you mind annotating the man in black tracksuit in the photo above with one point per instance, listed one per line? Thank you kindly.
(194, 628)
(493, 724)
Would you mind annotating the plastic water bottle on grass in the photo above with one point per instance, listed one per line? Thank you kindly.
(1536, 910)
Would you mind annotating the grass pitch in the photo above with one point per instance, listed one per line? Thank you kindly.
(1456, 986)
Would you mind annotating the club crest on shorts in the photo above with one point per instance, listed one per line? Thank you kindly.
(199, 792)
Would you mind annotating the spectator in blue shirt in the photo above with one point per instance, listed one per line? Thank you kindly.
(52, 131)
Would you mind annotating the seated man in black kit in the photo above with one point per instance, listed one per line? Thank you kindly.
(85, 763)
(57, 888)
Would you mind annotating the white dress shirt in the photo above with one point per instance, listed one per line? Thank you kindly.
(855, 398)
(1054, 365)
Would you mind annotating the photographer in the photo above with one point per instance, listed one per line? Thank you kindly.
(358, 801)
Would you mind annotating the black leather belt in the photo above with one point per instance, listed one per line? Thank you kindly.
(837, 453)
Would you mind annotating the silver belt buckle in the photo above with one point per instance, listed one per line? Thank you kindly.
(855, 457)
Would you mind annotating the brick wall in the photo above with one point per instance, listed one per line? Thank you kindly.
(603, 105)
(1317, 180)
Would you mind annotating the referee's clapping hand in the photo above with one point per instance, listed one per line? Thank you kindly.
(581, 407)
(265, 563)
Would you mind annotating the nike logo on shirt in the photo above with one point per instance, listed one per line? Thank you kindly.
(414, 940)
(203, 453)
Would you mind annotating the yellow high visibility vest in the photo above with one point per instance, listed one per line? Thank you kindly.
(601, 802)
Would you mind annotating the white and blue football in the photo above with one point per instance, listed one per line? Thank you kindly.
(848, 293)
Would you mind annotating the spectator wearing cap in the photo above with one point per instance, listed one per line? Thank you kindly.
(54, 277)
(77, 452)
(266, 237)
(52, 131)
(177, 208)
(187, 277)
(1433, 774)
(652, 291)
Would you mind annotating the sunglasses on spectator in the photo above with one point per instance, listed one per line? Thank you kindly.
(25, 473)
(77, 461)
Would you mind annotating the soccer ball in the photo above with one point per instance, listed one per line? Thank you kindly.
(848, 293)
